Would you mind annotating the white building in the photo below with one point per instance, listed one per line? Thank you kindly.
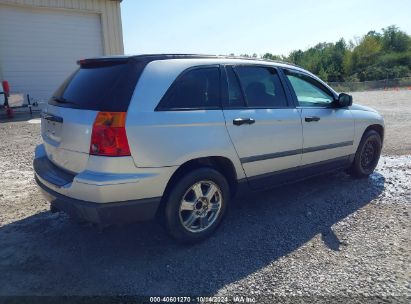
(41, 40)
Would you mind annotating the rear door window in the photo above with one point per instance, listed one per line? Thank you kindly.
(100, 86)
(262, 87)
(197, 88)
(235, 95)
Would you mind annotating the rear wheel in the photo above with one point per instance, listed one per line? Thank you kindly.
(367, 155)
(196, 205)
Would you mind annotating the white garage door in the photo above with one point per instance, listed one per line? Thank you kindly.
(39, 47)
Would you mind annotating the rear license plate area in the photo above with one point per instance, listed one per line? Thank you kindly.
(52, 126)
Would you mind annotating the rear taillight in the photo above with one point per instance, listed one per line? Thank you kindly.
(108, 137)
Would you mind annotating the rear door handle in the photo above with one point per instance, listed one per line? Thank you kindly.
(312, 118)
(242, 121)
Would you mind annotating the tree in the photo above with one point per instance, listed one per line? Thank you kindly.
(370, 57)
(395, 40)
(366, 52)
(296, 57)
(271, 56)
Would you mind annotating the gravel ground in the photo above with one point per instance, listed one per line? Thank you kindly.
(396, 109)
(331, 236)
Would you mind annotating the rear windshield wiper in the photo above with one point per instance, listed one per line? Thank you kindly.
(62, 100)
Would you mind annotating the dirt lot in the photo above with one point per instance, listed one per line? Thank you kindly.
(330, 236)
(395, 106)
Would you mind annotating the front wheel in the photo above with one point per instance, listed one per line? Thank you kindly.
(196, 205)
(367, 155)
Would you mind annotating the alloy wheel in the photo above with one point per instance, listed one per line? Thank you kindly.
(200, 206)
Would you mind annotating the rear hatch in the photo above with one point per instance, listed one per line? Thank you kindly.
(98, 85)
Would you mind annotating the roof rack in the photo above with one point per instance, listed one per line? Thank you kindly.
(151, 57)
(262, 59)
(177, 56)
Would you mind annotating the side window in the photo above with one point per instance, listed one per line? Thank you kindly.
(197, 88)
(262, 87)
(235, 96)
(309, 92)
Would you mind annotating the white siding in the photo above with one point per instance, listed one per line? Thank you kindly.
(110, 17)
(36, 61)
(41, 40)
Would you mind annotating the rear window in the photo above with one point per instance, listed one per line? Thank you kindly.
(101, 86)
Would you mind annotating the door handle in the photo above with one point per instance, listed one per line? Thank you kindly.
(242, 121)
(312, 118)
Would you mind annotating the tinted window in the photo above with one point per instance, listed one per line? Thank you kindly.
(235, 96)
(197, 88)
(309, 92)
(262, 87)
(100, 87)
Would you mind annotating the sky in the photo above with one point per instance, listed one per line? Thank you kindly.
(246, 27)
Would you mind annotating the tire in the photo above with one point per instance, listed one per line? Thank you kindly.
(198, 216)
(367, 155)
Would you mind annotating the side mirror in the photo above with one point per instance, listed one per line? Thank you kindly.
(344, 100)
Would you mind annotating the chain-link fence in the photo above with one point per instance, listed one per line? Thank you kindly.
(386, 84)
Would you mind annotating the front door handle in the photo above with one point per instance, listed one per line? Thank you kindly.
(242, 121)
(312, 118)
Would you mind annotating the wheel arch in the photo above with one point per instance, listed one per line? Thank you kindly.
(354, 168)
(376, 127)
(222, 164)
(219, 163)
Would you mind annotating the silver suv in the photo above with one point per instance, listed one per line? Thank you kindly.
(128, 138)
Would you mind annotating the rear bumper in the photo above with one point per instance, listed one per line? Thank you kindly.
(102, 214)
(101, 179)
(108, 191)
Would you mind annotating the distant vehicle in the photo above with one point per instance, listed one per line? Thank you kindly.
(128, 138)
